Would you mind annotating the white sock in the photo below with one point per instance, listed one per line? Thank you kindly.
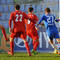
(54, 46)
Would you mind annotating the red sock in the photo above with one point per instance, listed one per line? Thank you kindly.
(36, 43)
(4, 33)
(12, 46)
(33, 43)
(27, 47)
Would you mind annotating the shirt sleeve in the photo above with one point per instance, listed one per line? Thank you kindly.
(10, 20)
(36, 19)
(43, 18)
(25, 16)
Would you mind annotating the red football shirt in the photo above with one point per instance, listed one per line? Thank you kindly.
(18, 18)
(31, 24)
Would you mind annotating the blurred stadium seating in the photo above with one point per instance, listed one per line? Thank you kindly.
(7, 6)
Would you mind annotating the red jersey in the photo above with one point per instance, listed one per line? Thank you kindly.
(18, 18)
(31, 24)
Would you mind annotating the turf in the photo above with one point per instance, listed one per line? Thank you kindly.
(24, 56)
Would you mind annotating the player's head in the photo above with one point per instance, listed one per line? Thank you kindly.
(17, 7)
(30, 9)
(47, 10)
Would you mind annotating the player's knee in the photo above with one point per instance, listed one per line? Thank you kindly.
(51, 41)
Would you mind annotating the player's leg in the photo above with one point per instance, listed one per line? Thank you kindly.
(11, 52)
(3, 32)
(34, 35)
(58, 40)
(35, 44)
(3, 44)
(35, 40)
(23, 36)
(52, 44)
(51, 36)
(27, 47)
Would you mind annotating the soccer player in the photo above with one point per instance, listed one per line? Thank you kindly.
(31, 29)
(18, 29)
(51, 29)
(3, 32)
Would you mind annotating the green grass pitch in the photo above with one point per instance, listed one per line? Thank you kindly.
(24, 56)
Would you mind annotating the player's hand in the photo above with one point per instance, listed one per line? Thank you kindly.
(42, 24)
(38, 24)
(59, 19)
(37, 28)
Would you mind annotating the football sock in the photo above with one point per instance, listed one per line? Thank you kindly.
(54, 46)
(28, 48)
(12, 46)
(35, 45)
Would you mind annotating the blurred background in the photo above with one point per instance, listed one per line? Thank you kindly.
(7, 6)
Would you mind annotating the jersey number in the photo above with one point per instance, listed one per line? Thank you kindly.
(17, 16)
(29, 22)
(50, 20)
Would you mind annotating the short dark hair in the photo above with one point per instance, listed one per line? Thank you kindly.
(30, 9)
(48, 10)
(17, 6)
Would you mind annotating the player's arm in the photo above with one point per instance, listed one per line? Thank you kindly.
(36, 19)
(10, 22)
(57, 20)
(40, 22)
(26, 17)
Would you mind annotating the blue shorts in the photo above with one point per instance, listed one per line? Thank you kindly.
(53, 34)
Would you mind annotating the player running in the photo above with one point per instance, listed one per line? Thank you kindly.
(31, 29)
(51, 29)
(18, 29)
(3, 32)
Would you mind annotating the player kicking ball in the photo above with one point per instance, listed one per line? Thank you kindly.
(51, 29)
(31, 29)
(18, 29)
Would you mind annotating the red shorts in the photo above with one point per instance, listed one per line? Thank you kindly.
(18, 34)
(33, 34)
